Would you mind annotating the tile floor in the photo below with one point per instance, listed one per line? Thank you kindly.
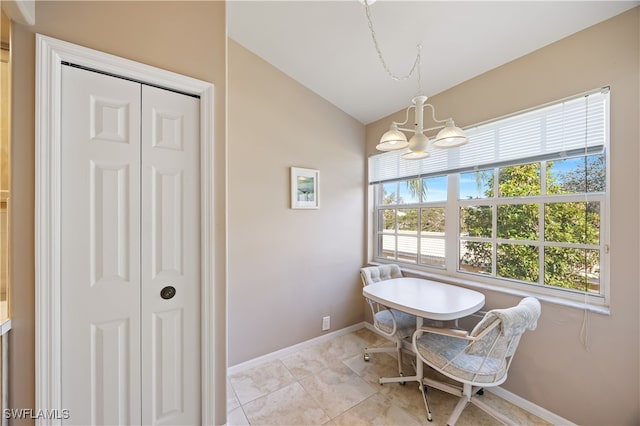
(330, 384)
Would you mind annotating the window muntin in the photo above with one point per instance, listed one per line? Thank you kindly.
(539, 222)
(411, 226)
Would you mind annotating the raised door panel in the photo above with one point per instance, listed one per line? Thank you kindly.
(110, 222)
(168, 366)
(110, 374)
(170, 257)
(166, 218)
(100, 248)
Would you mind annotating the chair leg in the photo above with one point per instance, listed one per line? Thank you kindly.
(423, 389)
(462, 403)
(455, 414)
(399, 351)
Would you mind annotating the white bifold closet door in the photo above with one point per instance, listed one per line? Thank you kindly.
(130, 227)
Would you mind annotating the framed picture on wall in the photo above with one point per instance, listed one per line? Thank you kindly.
(304, 188)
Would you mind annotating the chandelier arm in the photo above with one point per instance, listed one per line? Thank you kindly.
(404, 129)
(433, 115)
(406, 119)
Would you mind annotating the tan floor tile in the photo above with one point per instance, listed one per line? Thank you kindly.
(236, 417)
(260, 381)
(290, 405)
(345, 346)
(309, 361)
(380, 409)
(232, 399)
(337, 389)
(380, 365)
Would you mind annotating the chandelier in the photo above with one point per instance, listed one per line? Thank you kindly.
(418, 145)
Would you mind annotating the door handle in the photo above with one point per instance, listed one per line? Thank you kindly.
(168, 292)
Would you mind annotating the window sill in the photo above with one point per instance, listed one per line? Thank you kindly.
(603, 310)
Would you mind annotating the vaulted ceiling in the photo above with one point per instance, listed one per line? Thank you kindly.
(327, 45)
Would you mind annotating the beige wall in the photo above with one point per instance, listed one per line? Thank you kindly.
(185, 37)
(289, 268)
(552, 369)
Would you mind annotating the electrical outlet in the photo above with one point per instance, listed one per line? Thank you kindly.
(326, 323)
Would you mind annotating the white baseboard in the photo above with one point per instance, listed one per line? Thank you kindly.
(529, 406)
(292, 349)
(511, 397)
(370, 327)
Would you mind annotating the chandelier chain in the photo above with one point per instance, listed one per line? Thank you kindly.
(416, 63)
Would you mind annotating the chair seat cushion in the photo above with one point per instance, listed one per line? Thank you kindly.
(438, 350)
(406, 323)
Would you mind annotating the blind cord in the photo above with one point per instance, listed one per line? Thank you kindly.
(584, 330)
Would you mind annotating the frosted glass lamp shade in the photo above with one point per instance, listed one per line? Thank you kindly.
(410, 155)
(419, 143)
(418, 147)
(450, 137)
(392, 140)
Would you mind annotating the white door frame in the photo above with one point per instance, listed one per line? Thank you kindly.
(50, 53)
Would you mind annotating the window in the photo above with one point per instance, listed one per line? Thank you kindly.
(411, 220)
(526, 208)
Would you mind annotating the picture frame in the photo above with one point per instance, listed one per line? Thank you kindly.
(305, 188)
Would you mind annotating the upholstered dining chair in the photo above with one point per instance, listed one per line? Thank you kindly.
(396, 325)
(479, 359)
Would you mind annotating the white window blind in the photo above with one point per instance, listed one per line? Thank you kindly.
(572, 127)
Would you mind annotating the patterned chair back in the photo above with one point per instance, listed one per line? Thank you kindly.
(373, 274)
(503, 339)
